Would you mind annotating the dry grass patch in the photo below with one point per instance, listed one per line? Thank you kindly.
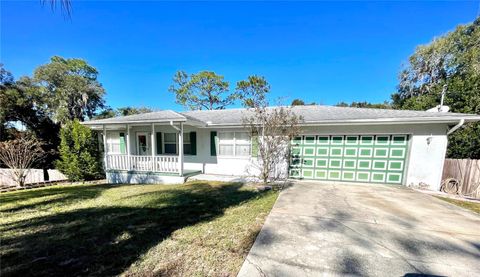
(473, 206)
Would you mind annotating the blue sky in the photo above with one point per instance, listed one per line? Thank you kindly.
(325, 52)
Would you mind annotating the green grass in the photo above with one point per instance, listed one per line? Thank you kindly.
(464, 204)
(195, 229)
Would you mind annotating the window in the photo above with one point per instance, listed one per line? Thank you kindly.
(242, 144)
(234, 144)
(116, 143)
(170, 141)
(170, 145)
(187, 145)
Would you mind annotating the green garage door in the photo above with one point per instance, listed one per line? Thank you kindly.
(354, 158)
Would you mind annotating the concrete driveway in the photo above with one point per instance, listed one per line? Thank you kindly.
(324, 229)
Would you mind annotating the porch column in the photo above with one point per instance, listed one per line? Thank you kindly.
(154, 144)
(128, 148)
(105, 150)
(180, 150)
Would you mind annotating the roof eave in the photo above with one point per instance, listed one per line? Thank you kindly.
(94, 122)
(382, 121)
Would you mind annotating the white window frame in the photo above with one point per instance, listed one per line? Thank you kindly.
(186, 135)
(113, 139)
(234, 144)
(164, 142)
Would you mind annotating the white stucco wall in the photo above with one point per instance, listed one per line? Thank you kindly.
(425, 161)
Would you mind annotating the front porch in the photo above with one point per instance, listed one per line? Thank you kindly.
(141, 163)
(147, 150)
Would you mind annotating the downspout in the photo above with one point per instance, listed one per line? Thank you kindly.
(454, 128)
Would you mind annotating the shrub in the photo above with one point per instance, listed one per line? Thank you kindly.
(80, 156)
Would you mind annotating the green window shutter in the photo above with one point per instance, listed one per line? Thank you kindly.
(122, 144)
(193, 143)
(213, 145)
(254, 145)
(159, 143)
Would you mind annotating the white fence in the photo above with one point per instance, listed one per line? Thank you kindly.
(34, 176)
(164, 163)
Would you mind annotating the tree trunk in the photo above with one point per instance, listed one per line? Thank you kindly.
(46, 177)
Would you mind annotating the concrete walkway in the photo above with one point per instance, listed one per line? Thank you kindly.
(324, 229)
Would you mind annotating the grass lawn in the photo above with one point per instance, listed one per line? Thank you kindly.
(199, 228)
(464, 204)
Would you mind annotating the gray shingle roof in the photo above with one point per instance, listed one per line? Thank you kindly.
(311, 114)
(325, 114)
(165, 115)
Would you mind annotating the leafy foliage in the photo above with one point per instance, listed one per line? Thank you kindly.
(61, 90)
(21, 101)
(69, 89)
(253, 91)
(453, 61)
(123, 111)
(298, 102)
(204, 90)
(365, 104)
(80, 157)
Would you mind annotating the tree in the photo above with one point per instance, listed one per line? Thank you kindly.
(20, 155)
(21, 101)
(253, 91)
(271, 129)
(451, 61)
(123, 111)
(80, 157)
(298, 102)
(107, 112)
(365, 104)
(70, 89)
(204, 90)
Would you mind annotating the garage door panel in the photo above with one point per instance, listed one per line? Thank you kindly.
(353, 158)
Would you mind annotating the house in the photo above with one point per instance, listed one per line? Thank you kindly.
(337, 144)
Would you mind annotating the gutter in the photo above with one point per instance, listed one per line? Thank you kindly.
(454, 128)
(390, 121)
(93, 122)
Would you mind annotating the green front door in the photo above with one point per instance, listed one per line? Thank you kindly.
(354, 158)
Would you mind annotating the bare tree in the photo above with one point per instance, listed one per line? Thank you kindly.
(272, 129)
(20, 155)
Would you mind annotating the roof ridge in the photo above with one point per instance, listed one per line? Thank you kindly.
(177, 113)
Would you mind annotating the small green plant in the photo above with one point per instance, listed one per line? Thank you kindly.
(80, 156)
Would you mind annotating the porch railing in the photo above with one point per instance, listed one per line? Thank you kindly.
(168, 164)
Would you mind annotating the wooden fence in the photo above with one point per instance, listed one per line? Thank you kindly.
(34, 176)
(467, 172)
